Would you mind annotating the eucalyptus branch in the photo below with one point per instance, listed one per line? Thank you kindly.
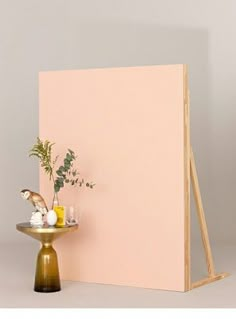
(65, 174)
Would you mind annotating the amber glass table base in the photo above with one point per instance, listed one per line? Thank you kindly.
(47, 277)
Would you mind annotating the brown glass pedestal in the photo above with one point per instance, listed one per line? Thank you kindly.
(47, 277)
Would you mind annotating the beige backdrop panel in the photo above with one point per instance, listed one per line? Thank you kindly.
(126, 125)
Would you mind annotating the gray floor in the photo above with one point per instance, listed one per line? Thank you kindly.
(17, 264)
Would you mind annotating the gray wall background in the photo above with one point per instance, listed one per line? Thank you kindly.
(37, 35)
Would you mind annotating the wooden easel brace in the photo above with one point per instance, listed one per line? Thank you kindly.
(191, 177)
(212, 276)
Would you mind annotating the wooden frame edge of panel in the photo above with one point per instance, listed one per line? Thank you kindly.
(187, 261)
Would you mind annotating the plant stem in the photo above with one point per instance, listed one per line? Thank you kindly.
(55, 195)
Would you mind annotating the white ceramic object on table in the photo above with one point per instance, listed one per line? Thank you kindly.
(36, 219)
(51, 217)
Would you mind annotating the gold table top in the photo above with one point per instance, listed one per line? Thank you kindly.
(45, 233)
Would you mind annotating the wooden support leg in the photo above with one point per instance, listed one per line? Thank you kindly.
(201, 217)
(212, 276)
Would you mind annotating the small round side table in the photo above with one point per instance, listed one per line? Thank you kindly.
(47, 277)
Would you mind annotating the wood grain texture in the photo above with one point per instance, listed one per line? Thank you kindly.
(212, 276)
(201, 217)
(187, 262)
(209, 280)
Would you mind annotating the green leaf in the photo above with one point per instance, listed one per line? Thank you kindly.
(68, 157)
(34, 154)
(43, 151)
(71, 152)
(56, 188)
(67, 167)
(66, 162)
(59, 173)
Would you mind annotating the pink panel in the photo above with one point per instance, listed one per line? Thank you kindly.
(126, 124)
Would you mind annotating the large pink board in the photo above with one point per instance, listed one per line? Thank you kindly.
(127, 126)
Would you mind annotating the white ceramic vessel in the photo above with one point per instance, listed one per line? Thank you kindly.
(51, 218)
(36, 219)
